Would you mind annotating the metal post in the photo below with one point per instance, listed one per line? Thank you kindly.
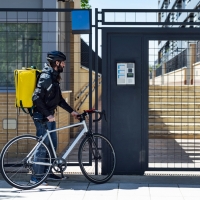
(96, 81)
(96, 65)
(90, 69)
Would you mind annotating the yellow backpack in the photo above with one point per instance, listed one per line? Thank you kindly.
(25, 83)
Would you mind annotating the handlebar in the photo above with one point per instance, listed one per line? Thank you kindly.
(87, 112)
(81, 117)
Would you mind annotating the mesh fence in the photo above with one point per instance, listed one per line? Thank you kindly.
(174, 134)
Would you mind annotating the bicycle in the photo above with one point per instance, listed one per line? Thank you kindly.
(96, 156)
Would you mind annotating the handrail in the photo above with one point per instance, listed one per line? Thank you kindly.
(82, 91)
(86, 96)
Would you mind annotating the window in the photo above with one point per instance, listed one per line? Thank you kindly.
(20, 46)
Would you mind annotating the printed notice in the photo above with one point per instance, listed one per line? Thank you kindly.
(121, 72)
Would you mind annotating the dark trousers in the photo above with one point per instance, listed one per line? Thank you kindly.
(41, 152)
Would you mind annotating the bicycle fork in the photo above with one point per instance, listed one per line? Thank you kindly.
(94, 150)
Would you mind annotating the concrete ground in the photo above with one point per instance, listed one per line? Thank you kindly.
(151, 186)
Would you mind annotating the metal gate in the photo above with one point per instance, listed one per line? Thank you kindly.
(169, 135)
(170, 56)
(174, 105)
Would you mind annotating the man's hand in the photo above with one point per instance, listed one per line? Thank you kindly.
(51, 118)
(74, 114)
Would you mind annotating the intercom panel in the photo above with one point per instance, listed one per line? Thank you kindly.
(125, 73)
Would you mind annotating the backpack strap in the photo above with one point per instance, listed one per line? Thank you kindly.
(30, 110)
(39, 74)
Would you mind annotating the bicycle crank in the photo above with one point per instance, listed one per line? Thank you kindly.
(59, 165)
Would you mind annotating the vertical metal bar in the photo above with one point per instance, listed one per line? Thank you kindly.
(18, 43)
(96, 66)
(102, 16)
(6, 84)
(96, 81)
(90, 68)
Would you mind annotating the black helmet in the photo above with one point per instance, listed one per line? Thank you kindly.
(55, 55)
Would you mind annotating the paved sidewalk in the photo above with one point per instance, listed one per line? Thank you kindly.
(152, 186)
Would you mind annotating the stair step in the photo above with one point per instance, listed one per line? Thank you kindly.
(175, 126)
(172, 88)
(173, 132)
(156, 98)
(175, 105)
(175, 93)
(174, 112)
(175, 119)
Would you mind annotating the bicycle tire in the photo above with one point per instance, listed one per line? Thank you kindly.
(14, 169)
(99, 168)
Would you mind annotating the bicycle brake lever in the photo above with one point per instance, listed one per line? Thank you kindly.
(96, 120)
(101, 114)
(104, 114)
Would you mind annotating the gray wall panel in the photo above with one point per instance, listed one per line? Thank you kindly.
(21, 3)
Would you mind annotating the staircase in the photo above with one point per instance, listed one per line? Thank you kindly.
(174, 111)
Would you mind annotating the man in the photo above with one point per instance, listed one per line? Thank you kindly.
(46, 97)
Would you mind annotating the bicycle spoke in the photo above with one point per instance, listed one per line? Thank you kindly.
(16, 170)
(97, 158)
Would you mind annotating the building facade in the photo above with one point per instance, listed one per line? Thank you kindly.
(25, 38)
(174, 55)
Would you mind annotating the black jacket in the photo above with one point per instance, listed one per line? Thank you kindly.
(47, 95)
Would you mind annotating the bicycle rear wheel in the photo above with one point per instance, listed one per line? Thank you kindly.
(97, 158)
(14, 166)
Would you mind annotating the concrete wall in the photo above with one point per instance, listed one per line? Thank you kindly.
(177, 77)
(23, 3)
(196, 73)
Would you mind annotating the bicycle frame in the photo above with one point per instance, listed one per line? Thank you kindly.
(96, 156)
(64, 156)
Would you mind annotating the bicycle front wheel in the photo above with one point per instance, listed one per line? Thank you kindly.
(14, 164)
(97, 158)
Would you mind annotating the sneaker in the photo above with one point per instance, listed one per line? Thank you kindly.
(35, 180)
(54, 177)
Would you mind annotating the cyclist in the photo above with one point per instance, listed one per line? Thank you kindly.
(46, 97)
